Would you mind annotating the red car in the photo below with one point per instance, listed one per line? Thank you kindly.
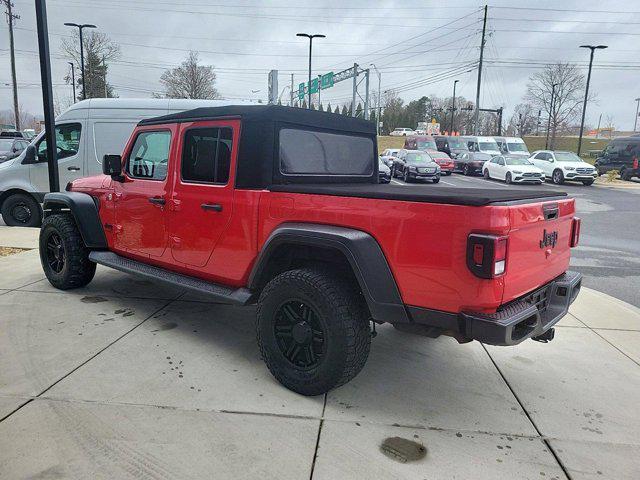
(442, 159)
(281, 207)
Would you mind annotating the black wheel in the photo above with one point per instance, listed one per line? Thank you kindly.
(313, 330)
(557, 177)
(405, 177)
(63, 254)
(507, 178)
(587, 182)
(436, 180)
(466, 170)
(486, 174)
(624, 175)
(21, 210)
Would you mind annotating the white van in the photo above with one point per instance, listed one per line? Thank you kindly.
(482, 144)
(84, 134)
(512, 146)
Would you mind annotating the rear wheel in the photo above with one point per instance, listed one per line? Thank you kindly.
(436, 180)
(21, 210)
(313, 330)
(557, 177)
(624, 175)
(63, 254)
(508, 179)
(466, 170)
(486, 174)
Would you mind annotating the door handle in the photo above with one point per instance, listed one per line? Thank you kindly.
(157, 200)
(73, 169)
(216, 207)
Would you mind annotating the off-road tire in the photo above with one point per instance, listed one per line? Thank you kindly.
(76, 270)
(557, 177)
(345, 318)
(21, 210)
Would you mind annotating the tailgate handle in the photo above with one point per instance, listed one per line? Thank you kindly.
(550, 212)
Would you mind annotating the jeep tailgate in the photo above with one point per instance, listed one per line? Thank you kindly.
(539, 245)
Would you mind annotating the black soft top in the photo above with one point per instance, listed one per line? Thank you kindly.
(258, 156)
(423, 193)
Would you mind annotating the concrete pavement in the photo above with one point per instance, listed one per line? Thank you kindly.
(124, 379)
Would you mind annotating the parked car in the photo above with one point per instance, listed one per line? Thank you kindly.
(443, 160)
(11, 148)
(28, 133)
(621, 154)
(452, 146)
(482, 144)
(470, 163)
(416, 142)
(559, 166)
(384, 172)
(512, 169)
(11, 134)
(388, 155)
(512, 146)
(294, 226)
(416, 165)
(402, 132)
(84, 133)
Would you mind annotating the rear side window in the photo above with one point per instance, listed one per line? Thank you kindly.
(149, 156)
(305, 152)
(206, 155)
(629, 149)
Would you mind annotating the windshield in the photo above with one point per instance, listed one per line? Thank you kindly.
(418, 158)
(5, 145)
(517, 161)
(488, 146)
(455, 143)
(567, 157)
(426, 145)
(517, 147)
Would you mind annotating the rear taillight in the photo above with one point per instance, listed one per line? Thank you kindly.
(487, 255)
(575, 232)
(635, 163)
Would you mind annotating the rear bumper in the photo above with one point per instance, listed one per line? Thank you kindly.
(523, 318)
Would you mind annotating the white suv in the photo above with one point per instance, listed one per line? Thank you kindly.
(560, 166)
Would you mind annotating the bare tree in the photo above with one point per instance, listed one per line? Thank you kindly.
(568, 95)
(190, 80)
(524, 120)
(98, 51)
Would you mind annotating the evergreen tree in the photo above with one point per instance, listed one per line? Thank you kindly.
(344, 110)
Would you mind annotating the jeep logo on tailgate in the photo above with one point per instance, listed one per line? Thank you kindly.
(549, 239)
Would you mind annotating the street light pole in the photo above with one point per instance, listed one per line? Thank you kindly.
(553, 91)
(593, 48)
(635, 122)
(80, 28)
(73, 80)
(453, 106)
(310, 37)
(378, 102)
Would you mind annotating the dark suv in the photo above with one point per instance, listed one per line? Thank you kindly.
(453, 146)
(621, 154)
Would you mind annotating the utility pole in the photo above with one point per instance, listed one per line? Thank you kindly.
(553, 91)
(484, 30)
(355, 89)
(378, 101)
(598, 129)
(635, 122)
(12, 17)
(593, 48)
(500, 110)
(453, 106)
(319, 84)
(366, 94)
(538, 123)
(291, 96)
(73, 80)
(104, 76)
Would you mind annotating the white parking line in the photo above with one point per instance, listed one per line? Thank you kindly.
(396, 182)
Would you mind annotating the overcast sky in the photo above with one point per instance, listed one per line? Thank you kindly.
(420, 47)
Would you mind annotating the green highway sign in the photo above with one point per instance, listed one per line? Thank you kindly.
(318, 83)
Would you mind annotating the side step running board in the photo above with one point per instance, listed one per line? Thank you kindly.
(220, 293)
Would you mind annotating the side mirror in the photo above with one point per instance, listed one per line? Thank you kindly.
(112, 165)
(30, 155)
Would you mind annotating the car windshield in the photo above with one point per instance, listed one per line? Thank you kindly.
(5, 145)
(517, 147)
(517, 161)
(418, 158)
(455, 143)
(488, 146)
(567, 157)
(426, 144)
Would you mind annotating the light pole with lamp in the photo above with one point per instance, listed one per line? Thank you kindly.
(453, 106)
(593, 48)
(378, 109)
(73, 80)
(635, 122)
(310, 37)
(80, 28)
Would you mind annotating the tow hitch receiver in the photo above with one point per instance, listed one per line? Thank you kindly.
(546, 337)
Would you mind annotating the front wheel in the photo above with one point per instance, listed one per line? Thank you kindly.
(21, 210)
(557, 177)
(63, 254)
(313, 330)
(486, 174)
(466, 170)
(406, 177)
(436, 180)
(508, 179)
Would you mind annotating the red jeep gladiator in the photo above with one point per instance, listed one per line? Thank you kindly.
(281, 207)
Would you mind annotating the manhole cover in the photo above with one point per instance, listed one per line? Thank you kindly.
(403, 450)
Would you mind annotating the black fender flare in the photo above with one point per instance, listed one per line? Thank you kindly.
(85, 211)
(362, 251)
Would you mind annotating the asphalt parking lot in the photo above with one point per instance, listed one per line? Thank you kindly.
(609, 251)
(127, 379)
